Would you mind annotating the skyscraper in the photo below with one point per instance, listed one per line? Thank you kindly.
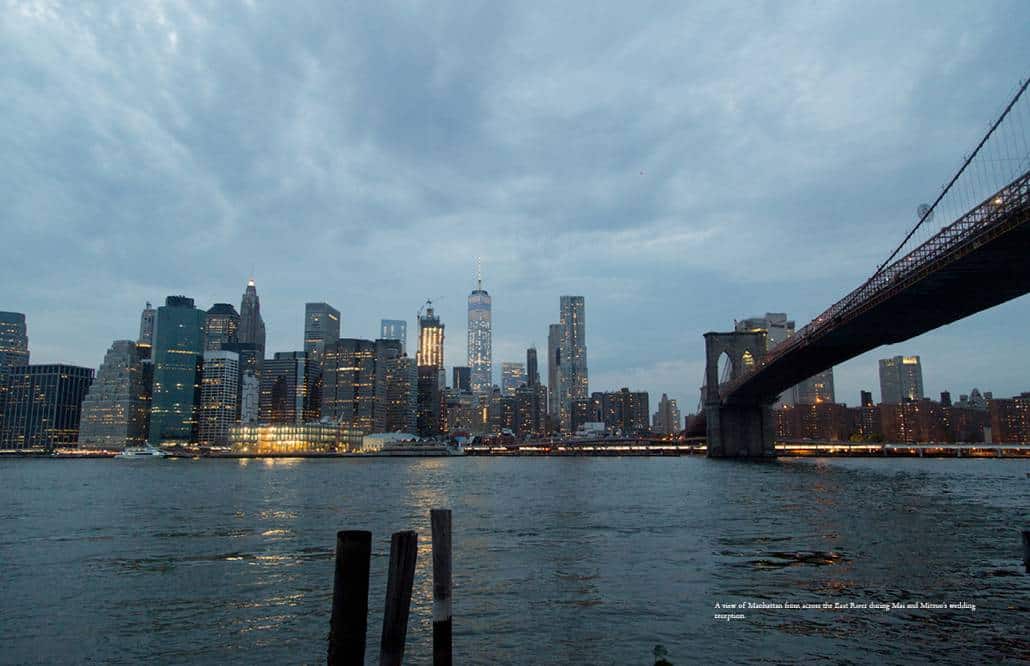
(177, 353)
(430, 339)
(513, 375)
(532, 373)
(321, 329)
(402, 395)
(462, 378)
(14, 349)
(291, 386)
(667, 420)
(573, 360)
(219, 396)
(147, 320)
(480, 344)
(901, 380)
(816, 389)
(386, 353)
(394, 329)
(43, 406)
(116, 411)
(252, 326)
(430, 402)
(348, 385)
(14, 340)
(250, 397)
(221, 326)
(553, 373)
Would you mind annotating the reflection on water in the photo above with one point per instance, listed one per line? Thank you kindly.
(556, 560)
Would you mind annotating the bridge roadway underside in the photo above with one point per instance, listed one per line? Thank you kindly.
(978, 278)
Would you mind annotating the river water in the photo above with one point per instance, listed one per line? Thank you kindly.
(556, 560)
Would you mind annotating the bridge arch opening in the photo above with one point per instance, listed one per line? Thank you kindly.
(748, 361)
(725, 368)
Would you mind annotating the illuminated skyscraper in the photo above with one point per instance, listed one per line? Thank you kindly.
(291, 389)
(572, 373)
(219, 396)
(901, 380)
(14, 349)
(221, 326)
(401, 395)
(178, 346)
(394, 329)
(480, 344)
(14, 340)
(348, 387)
(43, 406)
(116, 411)
(252, 326)
(513, 375)
(321, 329)
(430, 339)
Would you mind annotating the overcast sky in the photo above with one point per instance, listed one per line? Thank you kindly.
(679, 166)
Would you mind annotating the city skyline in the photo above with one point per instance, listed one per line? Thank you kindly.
(502, 166)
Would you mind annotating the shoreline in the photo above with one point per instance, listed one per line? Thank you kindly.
(995, 452)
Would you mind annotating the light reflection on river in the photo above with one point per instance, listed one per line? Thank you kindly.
(556, 560)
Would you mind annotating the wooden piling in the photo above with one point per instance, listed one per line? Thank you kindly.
(349, 622)
(441, 527)
(403, 551)
(1026, 550)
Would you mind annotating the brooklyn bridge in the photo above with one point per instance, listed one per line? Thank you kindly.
(978, 258)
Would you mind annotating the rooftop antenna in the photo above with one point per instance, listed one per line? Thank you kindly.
(479, 274)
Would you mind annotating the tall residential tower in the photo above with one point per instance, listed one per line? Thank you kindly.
(572, 366)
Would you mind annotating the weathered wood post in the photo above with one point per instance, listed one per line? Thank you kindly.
(441, 525)
(349, 621)
(403, 551)
(1026, 550)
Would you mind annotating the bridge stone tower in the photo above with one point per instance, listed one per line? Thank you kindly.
(736, 430)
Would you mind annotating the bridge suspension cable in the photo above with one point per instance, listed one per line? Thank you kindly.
(992, 185)
(929, 212)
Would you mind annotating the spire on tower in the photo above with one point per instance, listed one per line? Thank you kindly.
(479, 273)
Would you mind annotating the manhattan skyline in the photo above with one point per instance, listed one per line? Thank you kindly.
(585, 159)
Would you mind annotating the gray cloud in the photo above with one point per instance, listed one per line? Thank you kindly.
(680, 166)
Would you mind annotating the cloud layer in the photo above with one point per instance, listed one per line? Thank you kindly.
(679, 166)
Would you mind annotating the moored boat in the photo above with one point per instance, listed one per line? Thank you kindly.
(141, 453)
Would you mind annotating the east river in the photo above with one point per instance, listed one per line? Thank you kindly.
(556, 560)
